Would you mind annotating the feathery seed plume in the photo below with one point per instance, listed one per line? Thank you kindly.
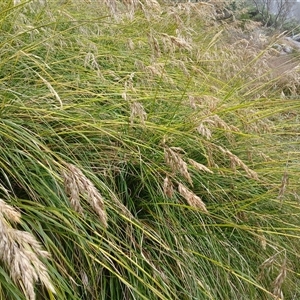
(204, 131)
(77, 185)
(20, 252)
(168, 187)
(176, 163)
(277, 291)
(176, 41)
(236, 161)
(9, 212)
(284, 184)
(199, 167)
(191, 198)
(72, 190)
(279, 280)
(137, 111)
(263, 241)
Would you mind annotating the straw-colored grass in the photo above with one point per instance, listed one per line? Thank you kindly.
(149, 150)
(20, 252)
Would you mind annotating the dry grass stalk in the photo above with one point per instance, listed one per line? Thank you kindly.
(168, 187)
(210, 157)
(125, 96)
(9, 212)
(77, 185)
(72, 189)
(154, 44)
(205, 102)
(252, 123)
(216, 122)
(90, 61)
(199, 167)
(260, 154)
(204, 10)
(20, 252)
(131, 4)
(51, 89)
(172, 13)
(137, 111)
(158, 69)
(204, 131)
(178, 42)
(220, 123)
(296, 196)
(279, 281)
(112, 6)
(172, 43)
(235, 161)
(128, 84)
(130, 44)
(153, 5)
(95, 200)
(263, 241)
(176, 163)
(150, 8)
(284, 184)
(32, 6)
(85, 280)
(121, 207)
(181, 65)
(191, 198)
(269, 261)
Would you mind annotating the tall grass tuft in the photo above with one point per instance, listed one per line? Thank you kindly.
(152, 151)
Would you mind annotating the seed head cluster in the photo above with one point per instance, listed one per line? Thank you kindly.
(191, 198)
(20, 252)
(78, 186)
(176, 163)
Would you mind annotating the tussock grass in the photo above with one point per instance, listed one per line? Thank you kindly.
(148, 148)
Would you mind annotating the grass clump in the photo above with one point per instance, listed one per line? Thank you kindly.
(150, 155)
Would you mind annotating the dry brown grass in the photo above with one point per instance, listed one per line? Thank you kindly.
(204, 131)
(203, 10)
(172, 43)
(205, 103)
(235, 162)
(277, 291)
(78, 186)
(173, 159)
(20, 252)
(168, 187)
(208, 124)
(262, 240)
(272, 263)
(137, 111)
(284, 185)
(191, 198)
(199, 167)
(285, 71)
